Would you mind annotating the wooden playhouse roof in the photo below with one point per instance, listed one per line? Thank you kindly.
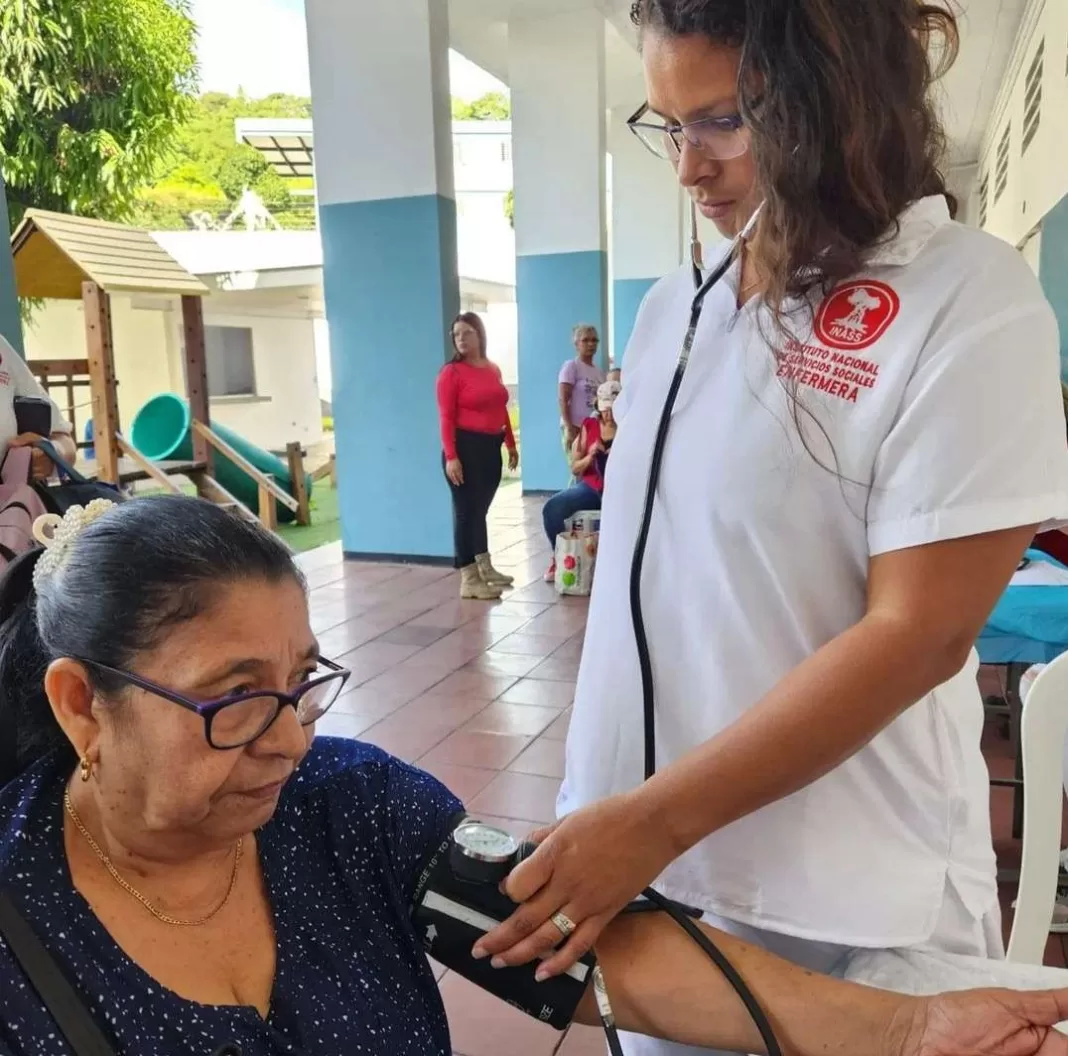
(55, 253)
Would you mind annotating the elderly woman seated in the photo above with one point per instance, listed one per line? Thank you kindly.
(589, 458)
(206, 873)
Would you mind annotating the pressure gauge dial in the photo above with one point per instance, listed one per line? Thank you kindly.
(482, 853)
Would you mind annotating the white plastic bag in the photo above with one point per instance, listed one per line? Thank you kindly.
(576, 558)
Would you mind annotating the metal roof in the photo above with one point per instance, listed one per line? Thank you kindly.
(286, 144)
(55, 253)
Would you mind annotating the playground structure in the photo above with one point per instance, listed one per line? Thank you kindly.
(73, 258)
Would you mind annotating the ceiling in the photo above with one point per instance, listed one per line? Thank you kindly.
(967, 95)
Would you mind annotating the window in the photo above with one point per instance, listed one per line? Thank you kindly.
(984, 199)
(231, 368)
(1001, 170)
(1033, 97)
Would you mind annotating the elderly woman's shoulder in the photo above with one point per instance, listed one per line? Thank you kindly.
(29, 806)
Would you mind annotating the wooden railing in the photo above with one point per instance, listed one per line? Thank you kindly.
(147, 466)
(269, 491)
(68, 375)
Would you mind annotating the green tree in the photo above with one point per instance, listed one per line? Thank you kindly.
(91, 94)
(245, 167)
(509, 207)
(493, 106)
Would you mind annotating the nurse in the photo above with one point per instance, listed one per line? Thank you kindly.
(867, 437)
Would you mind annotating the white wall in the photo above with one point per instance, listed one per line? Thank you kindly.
(148, 359)
(1038, 179)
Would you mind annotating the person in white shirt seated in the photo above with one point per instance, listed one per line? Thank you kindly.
(16, 380)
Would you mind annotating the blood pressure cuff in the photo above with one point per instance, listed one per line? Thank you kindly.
(451, 914)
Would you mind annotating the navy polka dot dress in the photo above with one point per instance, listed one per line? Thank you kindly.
(340, 859)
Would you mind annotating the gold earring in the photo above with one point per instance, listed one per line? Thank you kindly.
(85, 768)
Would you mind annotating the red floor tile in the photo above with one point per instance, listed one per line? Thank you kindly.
(543, 694)
(512, 718)
(441, 710)
(475, 684)
(405, 740)
(464, 782)
(339, 724)
(528, 645)
(492, 751)
(519, 796)
(558, 730)
(407, 634)
(555, 669)
(544, 758)
(374, 658)
(493, 663)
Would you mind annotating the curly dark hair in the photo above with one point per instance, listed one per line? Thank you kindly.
(836, 94)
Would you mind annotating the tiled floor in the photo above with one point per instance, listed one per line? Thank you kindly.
(479, 695)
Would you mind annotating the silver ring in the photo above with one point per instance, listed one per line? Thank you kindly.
(566, 925)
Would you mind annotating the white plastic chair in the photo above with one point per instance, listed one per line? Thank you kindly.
(1044, 725)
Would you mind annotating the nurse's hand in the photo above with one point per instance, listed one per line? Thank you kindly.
(985, 1023)
(587, 868)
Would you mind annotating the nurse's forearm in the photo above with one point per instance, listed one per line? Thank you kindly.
(823, 712)
(658, 986)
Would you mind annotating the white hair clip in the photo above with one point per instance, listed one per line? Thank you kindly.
(56, 534)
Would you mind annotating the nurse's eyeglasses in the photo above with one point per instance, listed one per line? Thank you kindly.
(239, 719)
(716, 138)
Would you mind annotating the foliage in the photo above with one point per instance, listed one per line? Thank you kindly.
(245, 168)
(493, 106)
(207, 170)
(91, 94)
(509, 207)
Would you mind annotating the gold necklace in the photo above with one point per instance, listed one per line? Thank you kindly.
(133, 892)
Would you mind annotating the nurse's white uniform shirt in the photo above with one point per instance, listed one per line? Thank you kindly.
(934, 379)
(16, 379)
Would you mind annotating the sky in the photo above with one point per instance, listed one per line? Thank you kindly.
(261, 46)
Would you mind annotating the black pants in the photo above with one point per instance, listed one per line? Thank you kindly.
(480, 455)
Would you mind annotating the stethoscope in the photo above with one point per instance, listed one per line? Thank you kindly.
(702, 287)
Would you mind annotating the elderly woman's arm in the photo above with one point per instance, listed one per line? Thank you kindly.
(659, 986)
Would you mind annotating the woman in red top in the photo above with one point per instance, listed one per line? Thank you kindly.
(589, 457)
(473, 404)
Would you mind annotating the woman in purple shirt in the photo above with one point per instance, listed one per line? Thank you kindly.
(580, 378)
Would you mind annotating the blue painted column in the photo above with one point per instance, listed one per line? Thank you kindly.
(556, 71)
(1053, 270)
(387, 214)
(10, 321)
(649, 226)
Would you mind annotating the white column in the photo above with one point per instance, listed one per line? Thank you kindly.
(556, 66)
(650, 225)
(387, 214)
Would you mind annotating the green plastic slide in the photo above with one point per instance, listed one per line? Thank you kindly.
(162, 432)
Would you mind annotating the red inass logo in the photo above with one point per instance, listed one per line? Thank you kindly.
(857, 314)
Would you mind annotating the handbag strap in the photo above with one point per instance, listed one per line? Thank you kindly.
(66, 1008)
(65, 470)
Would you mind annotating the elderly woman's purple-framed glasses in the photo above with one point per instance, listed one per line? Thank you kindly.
(237, 720)
(717, 138)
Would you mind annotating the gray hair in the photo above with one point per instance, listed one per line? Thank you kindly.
(584, 328)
